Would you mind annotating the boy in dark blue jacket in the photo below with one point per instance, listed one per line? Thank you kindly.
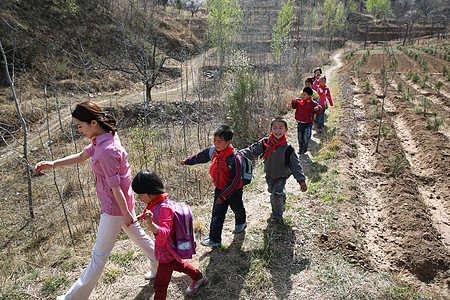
(226, 172)
(280, 161)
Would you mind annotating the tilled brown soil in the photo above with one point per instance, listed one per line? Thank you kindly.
(395, 223)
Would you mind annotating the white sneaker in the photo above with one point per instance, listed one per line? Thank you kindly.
(150, 275)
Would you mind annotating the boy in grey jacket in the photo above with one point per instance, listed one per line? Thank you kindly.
(280, 161)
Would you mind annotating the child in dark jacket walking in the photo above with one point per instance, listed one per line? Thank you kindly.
(150, 190)
(280, 161)
(305, 108)
(226, 172)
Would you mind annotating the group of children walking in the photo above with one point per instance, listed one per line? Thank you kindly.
(109, 162)
(310, 108)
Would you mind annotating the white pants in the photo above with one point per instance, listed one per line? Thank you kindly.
(108, 231)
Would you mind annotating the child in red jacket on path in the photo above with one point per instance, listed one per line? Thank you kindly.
(305, 108)
(150, 190)
(324, 94)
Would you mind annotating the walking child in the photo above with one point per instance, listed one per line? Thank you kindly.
(309, 83)
(280, 161)
(316, 76)
(324, 93)
(226, 172)
(305, 108)
(113, 182)
(150, 190)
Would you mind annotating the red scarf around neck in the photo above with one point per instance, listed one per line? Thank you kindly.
(302, 102)
(275, 145)
(321, 89)
(159, 198)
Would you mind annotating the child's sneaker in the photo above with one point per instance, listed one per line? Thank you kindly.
(239, 228)
(207, 242)
(196, 284)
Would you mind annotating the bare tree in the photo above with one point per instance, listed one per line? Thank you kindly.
(138, 58)
(11, 81)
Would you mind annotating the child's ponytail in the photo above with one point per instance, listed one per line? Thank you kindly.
(88, 111)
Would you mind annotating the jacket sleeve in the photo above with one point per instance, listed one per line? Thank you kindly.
(320, 108)
(294, 103)
(199, 158)
(254, 151)
(296, 168)
(329, 97)
(235, 177)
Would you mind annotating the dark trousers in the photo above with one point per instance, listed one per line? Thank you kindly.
(278, 195)
(321, 119)
(220, 210)
(303, 135)
(164, 275)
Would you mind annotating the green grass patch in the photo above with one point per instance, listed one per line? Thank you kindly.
(54, 284)
(111, 274)
(123, 259)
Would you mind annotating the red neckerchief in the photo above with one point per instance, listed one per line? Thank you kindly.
(321, 89)
(159, 198)
(302, 102)
(272, 139)
(226, 152)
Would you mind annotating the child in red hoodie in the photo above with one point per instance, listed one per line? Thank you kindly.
(305, 108)
(150, 190)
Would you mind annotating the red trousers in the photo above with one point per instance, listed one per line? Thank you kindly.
(164, 275)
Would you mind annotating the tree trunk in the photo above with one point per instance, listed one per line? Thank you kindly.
(24, 126)
(406, 34)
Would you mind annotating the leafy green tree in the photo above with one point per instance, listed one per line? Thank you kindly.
(281, 40)
(310, 21)
(378, 8)
(225, 24)
(335, 17)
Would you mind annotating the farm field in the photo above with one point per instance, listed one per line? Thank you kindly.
(402, 218)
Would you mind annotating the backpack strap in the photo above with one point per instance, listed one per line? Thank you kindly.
(211, 152)
(157, 207)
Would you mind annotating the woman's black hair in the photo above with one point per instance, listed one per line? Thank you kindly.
(89, 111)
(147, 182)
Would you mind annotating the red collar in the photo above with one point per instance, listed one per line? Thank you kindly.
(159, 198)
(302, 102)
(275, 145)
(224, 153)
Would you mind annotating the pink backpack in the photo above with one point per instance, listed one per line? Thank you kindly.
(184, 243)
